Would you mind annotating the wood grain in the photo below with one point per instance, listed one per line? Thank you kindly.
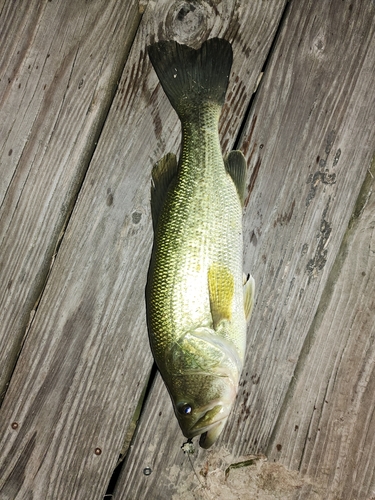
(308, 140)
(326, 427)
(313, 139)
(59, 66)
(86, 360)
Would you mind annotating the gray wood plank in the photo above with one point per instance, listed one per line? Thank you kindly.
(59, 65)
(326, 428)
(310, 153)
(86, 359)
(309, 140)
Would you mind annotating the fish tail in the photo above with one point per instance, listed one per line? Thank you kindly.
(189, 77)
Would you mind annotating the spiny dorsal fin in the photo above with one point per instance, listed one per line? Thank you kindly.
(235, 165)
(163, 172)
(221, 291)
(248, 295)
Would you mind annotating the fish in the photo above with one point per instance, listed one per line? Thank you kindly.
(198, 300)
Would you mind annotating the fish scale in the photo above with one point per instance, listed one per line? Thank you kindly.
(198, 237)
(197, 304)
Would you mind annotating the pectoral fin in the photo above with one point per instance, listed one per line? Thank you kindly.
(163, 173)
(235, 165)
(221, 291)
(248, 295)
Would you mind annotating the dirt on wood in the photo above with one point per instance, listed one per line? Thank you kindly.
(249, 477)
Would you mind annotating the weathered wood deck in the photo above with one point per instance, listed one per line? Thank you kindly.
(82, 120)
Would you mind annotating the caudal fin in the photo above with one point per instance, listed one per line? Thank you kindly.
(192, 77)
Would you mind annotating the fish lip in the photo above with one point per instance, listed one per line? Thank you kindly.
(197, 428)
(203, 430)
(209, 437)
(206, 428)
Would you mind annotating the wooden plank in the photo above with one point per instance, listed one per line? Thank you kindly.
(86, 359)
(59, 66)
(327, 427)
(315, 143)
(309, 140)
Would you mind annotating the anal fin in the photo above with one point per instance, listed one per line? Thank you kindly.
(235, 165)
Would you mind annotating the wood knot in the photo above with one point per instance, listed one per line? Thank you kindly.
(189, 22)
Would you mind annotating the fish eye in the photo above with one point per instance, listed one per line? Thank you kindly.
(184, 408)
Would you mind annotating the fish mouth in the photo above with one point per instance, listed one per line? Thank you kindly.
(210, 425)
(208, 438)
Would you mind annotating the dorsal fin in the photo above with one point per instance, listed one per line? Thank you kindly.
(163, 173)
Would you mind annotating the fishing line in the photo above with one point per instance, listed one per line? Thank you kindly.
(188, 449)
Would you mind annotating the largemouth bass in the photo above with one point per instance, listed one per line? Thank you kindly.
(198, 300)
